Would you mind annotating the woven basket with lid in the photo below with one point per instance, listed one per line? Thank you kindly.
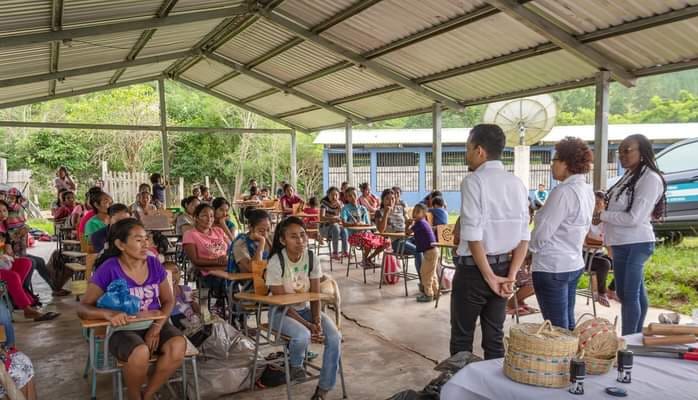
(539, 354)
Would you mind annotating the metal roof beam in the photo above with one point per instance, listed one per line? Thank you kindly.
(118, 27)
(565, 40)
(149, 128)
(349, 55)
(73, 93)
(370, 93)
(271, 82)
(260, 95)
(94, 69)
(56, 25)
(237, 103)
(298, 111)
(222, 79)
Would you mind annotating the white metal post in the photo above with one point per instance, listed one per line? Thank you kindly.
(163, 133)
(349, 149)
(294, 168)
(601, 131)
(436, 147)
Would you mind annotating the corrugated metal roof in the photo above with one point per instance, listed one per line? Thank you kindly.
(313, 12)
(24, 16)
(254, 41)
(345, 83)
(590, 15)
(390, 20)
(389, 103)
(81, 12)
(286, 67)
(206, 71)
(529, 73)
(183, 6)
(662, 45)
(84, 81)
(22, 92)
(440, 45)
(241, 86)
(458, 136)
(96, 50)
(474, 42)
(144, 71)
(315, 118)
(175, 38)
(24, 60)
(279, 103)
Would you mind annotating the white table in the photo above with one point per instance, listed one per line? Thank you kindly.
(653, 379)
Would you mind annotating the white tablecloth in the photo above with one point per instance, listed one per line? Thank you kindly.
(653, 379)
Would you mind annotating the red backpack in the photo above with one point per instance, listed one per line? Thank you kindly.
(390, 267)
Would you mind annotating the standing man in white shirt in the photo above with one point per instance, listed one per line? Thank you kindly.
(560, 229)
(492, 246)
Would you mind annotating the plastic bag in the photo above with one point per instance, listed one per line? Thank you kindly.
(118, 298)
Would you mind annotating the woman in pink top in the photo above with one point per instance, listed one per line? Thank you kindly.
(368, 199)
(89, 213)
(289, 199)
(207, 248)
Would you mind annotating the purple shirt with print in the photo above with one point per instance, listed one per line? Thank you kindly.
(148, 292)
(423, 235)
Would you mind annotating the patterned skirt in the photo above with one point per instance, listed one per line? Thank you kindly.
(21, 371)
(368, 240)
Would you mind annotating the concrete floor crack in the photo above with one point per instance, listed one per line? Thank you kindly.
(378, 334)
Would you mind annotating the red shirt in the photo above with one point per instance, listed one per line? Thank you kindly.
(311, 222)
(288, 202)
(62, 212)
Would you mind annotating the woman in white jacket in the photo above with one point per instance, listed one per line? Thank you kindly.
(560, 228)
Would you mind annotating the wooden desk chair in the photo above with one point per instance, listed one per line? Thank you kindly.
(296, 208)
(269, 203)
(430, 218)
(169, 214)
(156, 222)
(444, 234)
(591, 291)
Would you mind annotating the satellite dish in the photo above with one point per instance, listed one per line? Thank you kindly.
(524, 121)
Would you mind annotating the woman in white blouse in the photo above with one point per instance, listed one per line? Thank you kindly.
(632, 203)
(560, 228)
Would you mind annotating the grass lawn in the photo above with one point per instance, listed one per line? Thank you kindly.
(42, 224)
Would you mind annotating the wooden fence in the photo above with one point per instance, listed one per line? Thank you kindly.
(123, 186)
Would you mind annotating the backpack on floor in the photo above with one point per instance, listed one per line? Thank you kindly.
(273, 374)
(390, 268)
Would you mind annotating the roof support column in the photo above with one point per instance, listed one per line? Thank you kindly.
(349, 149)
(163, 133)
(294, 168)
(601, 131)
(436, 147)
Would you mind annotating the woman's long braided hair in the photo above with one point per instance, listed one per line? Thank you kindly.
(647, 161)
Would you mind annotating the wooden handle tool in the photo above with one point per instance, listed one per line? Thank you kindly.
(667, 340)
(667, 329)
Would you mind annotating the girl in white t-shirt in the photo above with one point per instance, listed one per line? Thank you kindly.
(292, 268)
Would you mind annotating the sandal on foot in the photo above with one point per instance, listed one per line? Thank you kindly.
(603, 300)
(47, 316)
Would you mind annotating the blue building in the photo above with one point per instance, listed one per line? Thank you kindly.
(403, 157)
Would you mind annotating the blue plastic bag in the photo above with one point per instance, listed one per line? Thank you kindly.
(118, 298)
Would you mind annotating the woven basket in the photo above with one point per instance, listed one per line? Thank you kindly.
(598, 365)
(597, 337)
(539, 354)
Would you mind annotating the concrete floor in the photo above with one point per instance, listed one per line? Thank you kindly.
(391, 342)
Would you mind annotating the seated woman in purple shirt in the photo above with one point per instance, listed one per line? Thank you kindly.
(127, 258)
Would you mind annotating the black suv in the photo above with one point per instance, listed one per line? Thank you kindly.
(679, 163)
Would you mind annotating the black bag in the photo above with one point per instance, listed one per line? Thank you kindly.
(273, 374)
(58, 272)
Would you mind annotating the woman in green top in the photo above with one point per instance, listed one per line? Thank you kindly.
(100, 203)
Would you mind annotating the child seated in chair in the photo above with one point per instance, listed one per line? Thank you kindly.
(355, 215)
(312, 209)
(186, 314)
(438, 211)
(292, 268)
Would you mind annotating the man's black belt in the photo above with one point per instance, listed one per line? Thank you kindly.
(495, 259)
